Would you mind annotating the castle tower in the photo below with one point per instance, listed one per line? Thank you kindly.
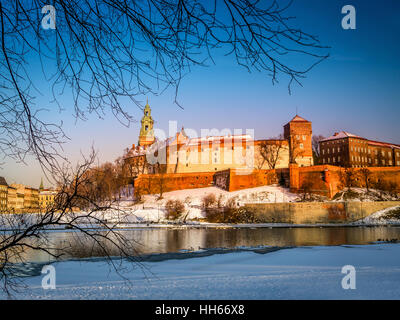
(146, 136)
(298, 132)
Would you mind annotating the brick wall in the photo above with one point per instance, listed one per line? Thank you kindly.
(312, 178)
(238, 179)
(153, 183)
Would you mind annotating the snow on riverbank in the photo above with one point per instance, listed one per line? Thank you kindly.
(297, 273)
(152, 209)
(382, 217)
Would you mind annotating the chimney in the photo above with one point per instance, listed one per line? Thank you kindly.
(133, 146)
(335, 134)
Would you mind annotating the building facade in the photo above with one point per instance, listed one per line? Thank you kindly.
(3, 194)
(12, 199)
(349, 150)
(46, 198)
(27, 198)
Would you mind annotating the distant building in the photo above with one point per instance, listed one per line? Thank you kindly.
(46, 198)
(12, 199)
(3, 194)
(27, 198)
(349, 150)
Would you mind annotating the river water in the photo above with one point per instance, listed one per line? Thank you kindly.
(148, 241)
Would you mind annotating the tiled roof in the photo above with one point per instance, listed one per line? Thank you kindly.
(297, 118)
(341, 135)
(383, 144)
(344, 134)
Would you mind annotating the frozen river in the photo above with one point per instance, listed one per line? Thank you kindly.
(304, 263)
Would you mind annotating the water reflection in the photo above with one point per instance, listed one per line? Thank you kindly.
(165, 240)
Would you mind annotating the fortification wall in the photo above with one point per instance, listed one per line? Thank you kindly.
(316, 212)
(154, 183)
(327, 180)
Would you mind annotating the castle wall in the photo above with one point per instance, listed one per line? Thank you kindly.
(154, 183)
(312, 179)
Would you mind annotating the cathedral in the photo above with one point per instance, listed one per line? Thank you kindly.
(182, 154)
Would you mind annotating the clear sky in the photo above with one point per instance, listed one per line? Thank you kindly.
(357, 89)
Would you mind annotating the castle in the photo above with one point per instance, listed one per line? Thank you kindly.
(238, 161)
(182, 154)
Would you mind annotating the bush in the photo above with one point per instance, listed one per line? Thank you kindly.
(174, 208)
(229, 214)
(209, 200)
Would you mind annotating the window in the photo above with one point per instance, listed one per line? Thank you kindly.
(333, 159)
(323, 151)
(304, 138)
(297, 137)
(329, 160)
(146, 127)
(301, 146)
(383, 161)
(338, 159)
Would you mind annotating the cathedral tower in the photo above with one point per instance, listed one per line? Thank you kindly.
(146, 136)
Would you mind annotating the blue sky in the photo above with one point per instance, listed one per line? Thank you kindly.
(357, 89)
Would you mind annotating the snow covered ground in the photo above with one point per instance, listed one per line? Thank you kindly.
(152, 209)
(297, 273)
(381, 217)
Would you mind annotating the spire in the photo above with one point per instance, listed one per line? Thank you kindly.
(146, 136)
(41, 184)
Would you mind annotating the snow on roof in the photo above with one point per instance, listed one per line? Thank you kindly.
(383, 144)
(344, 134)
(341, 135)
